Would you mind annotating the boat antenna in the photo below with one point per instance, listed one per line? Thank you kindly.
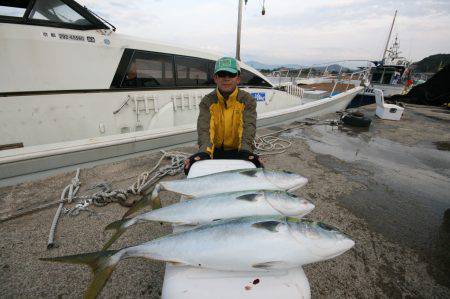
(389, 38)
(103, 20)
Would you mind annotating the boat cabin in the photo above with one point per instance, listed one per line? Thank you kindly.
(76, 50)
(387, 74)
(50, 13)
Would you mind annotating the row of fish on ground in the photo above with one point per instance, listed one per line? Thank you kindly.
(234, 213)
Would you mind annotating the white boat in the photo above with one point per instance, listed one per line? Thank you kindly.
(72, 90)
(391, 75)
(392, 72)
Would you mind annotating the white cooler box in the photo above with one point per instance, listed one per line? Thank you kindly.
(191, 282)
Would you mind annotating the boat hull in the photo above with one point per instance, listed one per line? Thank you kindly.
(44, 157)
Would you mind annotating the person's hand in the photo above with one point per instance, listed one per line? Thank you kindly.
(258, 159)
(252, 157)
(187, 162)
(194, 158)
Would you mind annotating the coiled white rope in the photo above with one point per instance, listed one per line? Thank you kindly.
(106, 195)
(270, 144)
(70, 190)
(143, 181)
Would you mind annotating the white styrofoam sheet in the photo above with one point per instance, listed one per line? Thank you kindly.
(183, 282)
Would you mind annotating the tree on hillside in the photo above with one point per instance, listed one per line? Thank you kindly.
(432, 63)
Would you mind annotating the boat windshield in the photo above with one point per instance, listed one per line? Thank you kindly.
(55, 13)
(58, 12)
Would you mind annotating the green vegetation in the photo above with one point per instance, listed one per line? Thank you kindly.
(433, 63)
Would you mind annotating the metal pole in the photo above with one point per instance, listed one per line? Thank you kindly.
(389, 38)
(238, 41)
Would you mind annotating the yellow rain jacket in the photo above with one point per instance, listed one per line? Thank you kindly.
(228, 124)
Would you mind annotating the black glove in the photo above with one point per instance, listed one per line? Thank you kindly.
(245, 155)
(192, 159)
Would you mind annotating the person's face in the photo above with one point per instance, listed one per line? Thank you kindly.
(226, 82)
(132, 73)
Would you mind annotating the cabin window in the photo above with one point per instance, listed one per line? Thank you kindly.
(149, 70)
(250, 79)
(142, 69)
(192, 71)
(11, 11)
(57, 12)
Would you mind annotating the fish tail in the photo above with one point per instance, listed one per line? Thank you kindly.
(101, 264)
(119, 226)
(146, 200)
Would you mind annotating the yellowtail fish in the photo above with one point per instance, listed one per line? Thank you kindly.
(254, 243)
(221, 182)
(209, 208)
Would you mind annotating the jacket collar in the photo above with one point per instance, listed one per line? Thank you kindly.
(232, 96)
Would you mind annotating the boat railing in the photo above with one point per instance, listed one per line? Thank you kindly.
(361, 76)
(282, 75)
(294, 90)
(320, 73)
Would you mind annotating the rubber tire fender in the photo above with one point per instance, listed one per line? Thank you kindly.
(356, 119)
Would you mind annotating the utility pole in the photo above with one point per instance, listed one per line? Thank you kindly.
(238, 41)
(389, 38)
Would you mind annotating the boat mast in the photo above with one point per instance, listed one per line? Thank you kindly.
(389, 38)
(238, 41)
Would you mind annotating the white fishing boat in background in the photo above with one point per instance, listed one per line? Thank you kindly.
(72, 90)
(392, 74)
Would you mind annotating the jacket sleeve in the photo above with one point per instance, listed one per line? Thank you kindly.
(249, 125)
(203, 127)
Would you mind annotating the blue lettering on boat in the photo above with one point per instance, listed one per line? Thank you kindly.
(259, 96)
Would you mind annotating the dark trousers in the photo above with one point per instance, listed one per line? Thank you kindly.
(220, 153)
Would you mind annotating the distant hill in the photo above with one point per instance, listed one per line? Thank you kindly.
(431, 63)
(333, 68)
(262, 66)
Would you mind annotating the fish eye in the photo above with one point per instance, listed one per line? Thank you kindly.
(292, 195)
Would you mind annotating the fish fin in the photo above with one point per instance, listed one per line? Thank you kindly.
(119, 226)
(269, 265)
(176, 263)
(143, 202)
(156, 203)
(251, 173)
(100, 264)
(148, 199)
(268, 225)
(248, 197)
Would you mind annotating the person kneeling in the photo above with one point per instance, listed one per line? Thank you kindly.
(226, 125)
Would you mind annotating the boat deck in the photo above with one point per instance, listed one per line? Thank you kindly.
(340, 87)
(386, 187)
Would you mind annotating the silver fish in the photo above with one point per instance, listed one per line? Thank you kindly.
(221, 182)
(240, 244)
(208, 208)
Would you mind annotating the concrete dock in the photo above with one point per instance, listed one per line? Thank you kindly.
(388, 187)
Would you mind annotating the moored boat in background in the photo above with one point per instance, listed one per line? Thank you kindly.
(72, 90)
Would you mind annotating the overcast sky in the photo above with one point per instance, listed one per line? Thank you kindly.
(291, 31)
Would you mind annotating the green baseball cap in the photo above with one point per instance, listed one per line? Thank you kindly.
(227, 64)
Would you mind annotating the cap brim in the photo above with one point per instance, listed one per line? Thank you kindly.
(227, 69)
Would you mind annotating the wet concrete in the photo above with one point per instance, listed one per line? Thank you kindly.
(405, 188)
(385, 187)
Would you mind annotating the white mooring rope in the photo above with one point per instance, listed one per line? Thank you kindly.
(106, 195)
